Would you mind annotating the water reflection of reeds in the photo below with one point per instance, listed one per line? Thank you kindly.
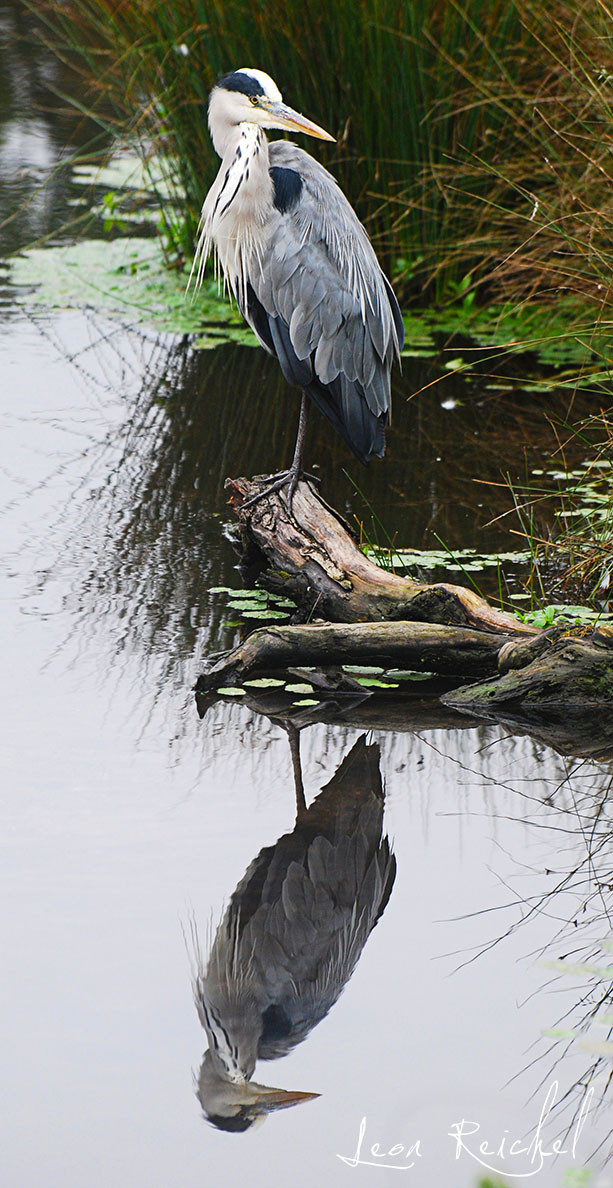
(155, 536)
(39, 132)
(566, 875)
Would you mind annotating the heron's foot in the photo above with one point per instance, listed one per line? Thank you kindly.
(284, 478)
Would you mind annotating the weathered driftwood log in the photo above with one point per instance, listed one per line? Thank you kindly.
(567, 672)
(379, 618)
(422, 647)
(563, 696)
(310, 554)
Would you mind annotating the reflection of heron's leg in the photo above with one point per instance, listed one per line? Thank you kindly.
(293, 735)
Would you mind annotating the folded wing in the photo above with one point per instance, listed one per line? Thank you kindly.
(319, 301)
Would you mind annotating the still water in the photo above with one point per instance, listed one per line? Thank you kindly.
(480, 999)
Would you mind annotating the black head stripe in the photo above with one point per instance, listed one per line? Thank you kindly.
(245, 83)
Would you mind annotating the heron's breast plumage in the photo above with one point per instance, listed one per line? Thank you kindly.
(234, 220)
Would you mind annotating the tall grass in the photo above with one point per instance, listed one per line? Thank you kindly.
(473, 139)
(576, 552)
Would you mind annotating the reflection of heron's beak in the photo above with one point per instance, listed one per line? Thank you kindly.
(265, 1100)
(285, 117)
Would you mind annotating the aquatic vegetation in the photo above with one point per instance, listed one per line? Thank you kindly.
(577, 553)
(255, 604)
(426, 559)
(127, 278)
(127, 275)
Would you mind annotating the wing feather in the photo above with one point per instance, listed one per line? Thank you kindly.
(320, 298)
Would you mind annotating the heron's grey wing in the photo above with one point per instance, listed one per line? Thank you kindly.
(307, 943)
(318, 894)
(319, 300)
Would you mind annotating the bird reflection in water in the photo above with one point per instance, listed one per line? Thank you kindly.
(291, 937)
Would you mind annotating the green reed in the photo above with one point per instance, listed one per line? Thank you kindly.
(473, 139)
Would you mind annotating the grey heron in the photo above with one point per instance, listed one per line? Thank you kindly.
(291, 937)
(300, 266)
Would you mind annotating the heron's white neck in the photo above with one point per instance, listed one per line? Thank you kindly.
(237, 206)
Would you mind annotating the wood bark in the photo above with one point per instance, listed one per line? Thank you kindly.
(311, 554)
(563, 696)
(377, 618)
(569, 672)
(421, 647)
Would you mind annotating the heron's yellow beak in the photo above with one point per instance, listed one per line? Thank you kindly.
(284, 117)
(267, 1099)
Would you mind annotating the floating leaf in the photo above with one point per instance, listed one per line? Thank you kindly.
(298, 688)
(264, 614)
(364, 668)
(250, 604)
(604, 1048)
(265, 683)
(305, 701)
(399, 674)
(230, 691)
(372, 682)
(126, 277)
(578, 970)
(249, 593)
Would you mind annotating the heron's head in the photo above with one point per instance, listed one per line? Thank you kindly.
(239, 1105)
(248, 96)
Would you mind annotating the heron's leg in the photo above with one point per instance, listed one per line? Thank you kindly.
(295, 469)
(302, 424)
(290, 477)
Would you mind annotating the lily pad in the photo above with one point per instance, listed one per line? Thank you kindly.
(127, 277)
(373, 670)
(400, 674)
(374, 683)
(244, 604)
(604, 1048)
(231, 691)
(299, 688)
(305, 701)
(578, 970)
(265, 683)
(264, 614)
(127, 171)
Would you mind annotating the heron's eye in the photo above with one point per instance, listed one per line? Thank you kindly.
(254, 100)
